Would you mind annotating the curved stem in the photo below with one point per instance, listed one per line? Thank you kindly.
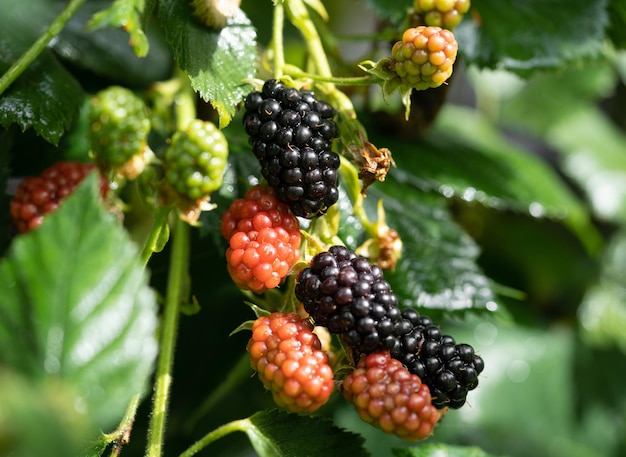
(169, 329)
(277, 39)
(236, 375)
(241, 425)
(38, 46)
(338, 80)
(152, 245)
(121, 435)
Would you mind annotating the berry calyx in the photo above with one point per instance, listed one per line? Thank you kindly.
(288, 358)
(387, 396)
(195, 160)
(441, 13)
(291, 133)
(41, 195)
(119, 127)
(424, 57)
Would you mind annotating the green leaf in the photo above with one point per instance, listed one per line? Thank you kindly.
(106, 51)
(125, 14)
(440, 450)
(593, 155)
(75, 305)
(390, 9)
(464, 156)
(534, 34)
(438, 267)
(617, 28)
(277, 433)
(217, 62)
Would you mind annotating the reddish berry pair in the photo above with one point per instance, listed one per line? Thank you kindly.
(37, 196)
(264, 240)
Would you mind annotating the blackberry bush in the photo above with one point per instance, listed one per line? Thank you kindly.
(291, 134)
(346, 294)
(387, 396)
(449, 369)
(289, 360)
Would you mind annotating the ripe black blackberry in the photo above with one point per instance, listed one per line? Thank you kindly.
(291, 134)
(344, 293)
(449, 369)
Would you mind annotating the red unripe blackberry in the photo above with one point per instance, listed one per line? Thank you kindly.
(449, 369)
(38, 196)
(387, 396)
(259, 209)
(441, 13)
(346, 294)
(288, 358)
(259, 261)
(424, 57)
(264, 240)
(291, 133)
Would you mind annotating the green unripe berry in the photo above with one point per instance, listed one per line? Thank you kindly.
(119, 127)
(195, 160)
(446, 14)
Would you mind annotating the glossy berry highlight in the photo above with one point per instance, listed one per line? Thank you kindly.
(424, 57)
(288, 358)
(387, 396)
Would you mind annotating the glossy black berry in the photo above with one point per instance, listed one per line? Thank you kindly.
(449, 369)
(343, 292)
(291, 134)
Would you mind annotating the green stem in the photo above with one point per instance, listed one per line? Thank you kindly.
(277, 39)
(241, 425)
(299, 16)
(338, 80)
(121, 434)
(38, 46)
(236, 375)
(152, 244)
(169, 328)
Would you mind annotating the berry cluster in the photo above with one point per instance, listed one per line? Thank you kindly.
(346, 294)
(38, 196)
(448, 368)
(424, 57)
(291, 133)
(195, 160)
(288, 358)
(441, 13)
(387, 396)
(264, 240)
(119, 127)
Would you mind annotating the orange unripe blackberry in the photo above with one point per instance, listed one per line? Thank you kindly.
(288, 358)
(387, 396)
(424, 57)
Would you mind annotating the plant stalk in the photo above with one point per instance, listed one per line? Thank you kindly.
(169, 329)
(240, 425)
(277, 39)
(150, 246)
(29, 56)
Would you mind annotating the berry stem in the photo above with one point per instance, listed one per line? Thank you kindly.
(241, 425)
(277, 39)
(29, 56)
(152, 241)
(237, 374)
(169, 328)
(338, 80)
(120, 435)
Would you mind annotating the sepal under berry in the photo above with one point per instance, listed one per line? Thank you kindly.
(119, 127)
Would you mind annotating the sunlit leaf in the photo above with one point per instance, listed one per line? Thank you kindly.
(74, 304)
(440, 450)
(217, 61)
